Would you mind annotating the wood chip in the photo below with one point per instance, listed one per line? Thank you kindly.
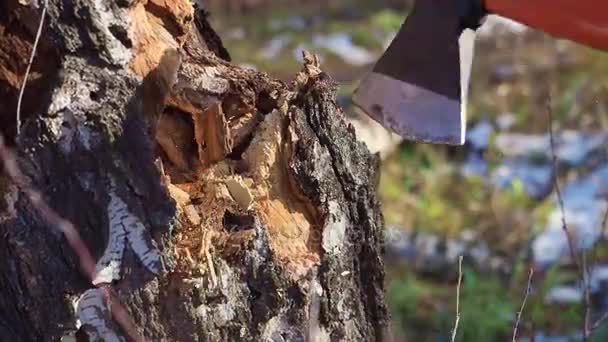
(192, 215)
(240, 192)
(211, 269)
(180, 196)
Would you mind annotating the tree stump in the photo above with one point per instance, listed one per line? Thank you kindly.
(219, 204)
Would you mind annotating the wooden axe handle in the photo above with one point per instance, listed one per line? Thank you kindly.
(583, 21)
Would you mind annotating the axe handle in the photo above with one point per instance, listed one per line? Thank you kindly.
(583, 21)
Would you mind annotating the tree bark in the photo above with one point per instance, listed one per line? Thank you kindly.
(219, 204)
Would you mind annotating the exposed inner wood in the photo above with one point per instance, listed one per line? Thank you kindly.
(212, 132)
(255, 184)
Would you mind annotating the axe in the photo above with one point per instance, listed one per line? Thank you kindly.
(419, 87)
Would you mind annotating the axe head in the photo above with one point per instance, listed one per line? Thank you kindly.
(419, 87)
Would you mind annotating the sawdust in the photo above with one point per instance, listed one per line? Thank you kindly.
(201, 222)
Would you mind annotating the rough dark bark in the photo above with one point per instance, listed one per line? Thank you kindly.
(256, 193)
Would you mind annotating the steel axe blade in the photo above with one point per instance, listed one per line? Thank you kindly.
(419, 87)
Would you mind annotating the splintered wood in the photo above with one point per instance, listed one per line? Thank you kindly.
(212, 135)
(152, 38)
(218, 210)
(201, 215)
(226, 143)
(286, 214)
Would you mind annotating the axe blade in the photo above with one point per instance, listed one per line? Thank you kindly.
(419, 87)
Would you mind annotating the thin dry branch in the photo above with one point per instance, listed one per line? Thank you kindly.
(29, 65)
(589, 269)
(558, 191)
(121, 315)
(604, 221)
(587, 299)
(602, 236)
(599, 322)
(580, 268)
(523, 304)
(87, 262)
(457, 321)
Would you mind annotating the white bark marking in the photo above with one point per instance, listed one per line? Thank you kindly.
(108, 266)
(124, 228)
(143, 247)
(91, 309)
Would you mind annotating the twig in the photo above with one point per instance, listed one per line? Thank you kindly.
(599, 322)
(212, 273)
(604, 221)
(87, 262)
(523, 304)
(121, 315)
(455, 330)
(590, 329)
(558, 190)
(587, 294)
(582, 269)
(581, 265)
(29, 65)
(602, 237)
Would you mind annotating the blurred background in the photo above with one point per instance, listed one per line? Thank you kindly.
(493, 200)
